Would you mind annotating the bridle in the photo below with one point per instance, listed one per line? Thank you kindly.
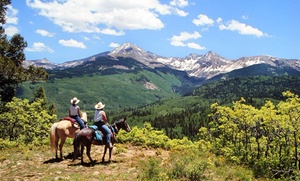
(120, 122)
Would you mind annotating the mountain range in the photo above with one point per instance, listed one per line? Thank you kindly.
(205, 67)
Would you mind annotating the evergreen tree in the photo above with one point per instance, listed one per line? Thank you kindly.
(52, 109)
(12, 73)
(40, 94)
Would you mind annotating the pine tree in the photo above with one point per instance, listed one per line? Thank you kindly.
(12, 73)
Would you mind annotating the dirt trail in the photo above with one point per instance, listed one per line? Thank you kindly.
(41, 165)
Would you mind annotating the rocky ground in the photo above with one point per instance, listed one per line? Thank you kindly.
(40, 164)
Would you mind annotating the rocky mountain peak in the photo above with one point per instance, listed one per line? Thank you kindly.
(213, 58)
(201, 66)
(134, 51)
(193, 56)
(126, 49)
(44, 60)
(39, 63)
(210, 54)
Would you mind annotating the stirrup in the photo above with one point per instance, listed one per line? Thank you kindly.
(76, 126)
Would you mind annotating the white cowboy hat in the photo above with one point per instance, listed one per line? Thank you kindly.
(75, 100)
(99, 105)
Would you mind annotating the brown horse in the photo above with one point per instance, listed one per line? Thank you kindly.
(61, 131)
(85, 138)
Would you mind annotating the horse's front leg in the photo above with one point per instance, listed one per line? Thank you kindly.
(81, 153)
(105, 149)
(110, 151)
(88, 152)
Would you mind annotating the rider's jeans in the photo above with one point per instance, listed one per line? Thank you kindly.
(105, 130)
(79, 121)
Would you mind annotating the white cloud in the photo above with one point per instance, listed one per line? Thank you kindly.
(109, 31)
(195, 46)
(114, 45)
(203, 20)
(72, 43)
(219, 20)
(11, 30)
(182, 39)
(244, 17)
(179, 3)
(11, 15)
(11, 21)
(181, 12)
(39, 47)
(44, 33)
(86, 38)
(241, 28)
(102, 16)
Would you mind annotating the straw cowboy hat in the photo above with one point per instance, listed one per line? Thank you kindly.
(99, 105)
(75, 100)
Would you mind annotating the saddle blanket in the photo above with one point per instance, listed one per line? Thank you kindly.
(69, 119)
(98, 135)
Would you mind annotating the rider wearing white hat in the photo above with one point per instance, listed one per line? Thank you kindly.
(74, 112)
(100, 121)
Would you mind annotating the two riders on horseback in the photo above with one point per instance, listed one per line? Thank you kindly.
(100, 118)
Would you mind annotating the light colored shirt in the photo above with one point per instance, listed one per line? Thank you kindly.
(99, 116)
(74, 110)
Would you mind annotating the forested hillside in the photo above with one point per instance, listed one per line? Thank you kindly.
(261, 133)
(119, 83)
(183, 116)
(260, 87)
(118, 91)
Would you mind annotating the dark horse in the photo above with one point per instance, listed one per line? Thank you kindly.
(85, 138)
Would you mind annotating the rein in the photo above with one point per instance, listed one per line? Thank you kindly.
(116, 128)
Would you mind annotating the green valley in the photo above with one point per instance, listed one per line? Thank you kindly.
(117, 91)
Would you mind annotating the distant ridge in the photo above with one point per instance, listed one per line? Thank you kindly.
(204, 66)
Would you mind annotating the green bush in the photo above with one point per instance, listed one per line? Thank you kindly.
(153, 171)
(25, 122)
(187, 164)
(4, 144)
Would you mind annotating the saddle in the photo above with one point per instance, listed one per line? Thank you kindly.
(74, 123)
(99, 135)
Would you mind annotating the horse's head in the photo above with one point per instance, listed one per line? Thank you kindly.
(84, 116)
(122, 124)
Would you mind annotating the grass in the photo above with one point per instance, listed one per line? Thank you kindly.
(129, 163)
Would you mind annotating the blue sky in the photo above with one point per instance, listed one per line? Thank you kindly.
(65, 30)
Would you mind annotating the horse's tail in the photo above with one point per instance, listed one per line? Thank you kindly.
(53, 136)
(76, 143)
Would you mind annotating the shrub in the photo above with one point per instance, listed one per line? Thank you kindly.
(152, 170)
(187, 164)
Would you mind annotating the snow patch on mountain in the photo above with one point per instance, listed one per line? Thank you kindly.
(202, 66)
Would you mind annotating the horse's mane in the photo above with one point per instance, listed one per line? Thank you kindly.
(120, 120)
